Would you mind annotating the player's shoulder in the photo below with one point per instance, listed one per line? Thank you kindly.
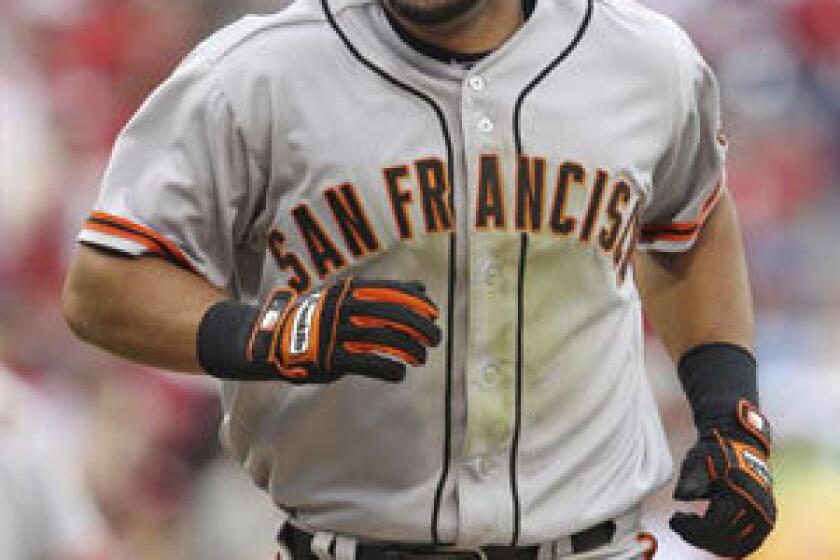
(648, 28)
(651, 35)
(644, 23)
(255, 41)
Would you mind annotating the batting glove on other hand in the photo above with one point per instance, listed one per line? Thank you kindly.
(372, 328)
(728, 466)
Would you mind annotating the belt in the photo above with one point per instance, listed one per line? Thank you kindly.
(299, 543)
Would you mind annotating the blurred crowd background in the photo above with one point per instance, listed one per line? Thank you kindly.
(102, 460)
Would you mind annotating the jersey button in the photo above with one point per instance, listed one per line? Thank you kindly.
(492, 274)
(485, 125)
(485, 466)
(476, 83)
(490, 375)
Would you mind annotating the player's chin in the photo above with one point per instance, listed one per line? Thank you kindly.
(432, 12)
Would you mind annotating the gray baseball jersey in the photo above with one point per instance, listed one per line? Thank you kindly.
(308, 145)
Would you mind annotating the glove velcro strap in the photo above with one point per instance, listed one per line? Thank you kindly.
(222, 344)
(715, 377)
(744, 469)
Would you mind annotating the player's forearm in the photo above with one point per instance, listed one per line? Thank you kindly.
(703, 295)
(143, 309)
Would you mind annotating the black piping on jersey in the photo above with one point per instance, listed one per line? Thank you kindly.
(447, 138)
(523, 259)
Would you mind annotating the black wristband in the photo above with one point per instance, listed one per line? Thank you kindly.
(222, 343)
(715, 377)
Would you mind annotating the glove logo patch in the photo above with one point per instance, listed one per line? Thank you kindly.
(754, 422)
(302, 326)
(755, 419)
(269, 322)
(758, 466)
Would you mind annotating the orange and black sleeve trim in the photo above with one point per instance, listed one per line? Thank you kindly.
(154, 242)
(682, 231)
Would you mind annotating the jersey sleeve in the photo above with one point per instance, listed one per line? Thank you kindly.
(181, 182)
(689, 178)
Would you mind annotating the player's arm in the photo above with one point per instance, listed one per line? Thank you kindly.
(699, 303)
(700, 296)
(150, 311)
(187, 180)
(144, 309)
(693, 282)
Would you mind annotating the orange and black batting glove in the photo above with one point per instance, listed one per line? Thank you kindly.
(728, 465)
(372, 328)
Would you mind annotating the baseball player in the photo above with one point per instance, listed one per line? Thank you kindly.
(404, 234)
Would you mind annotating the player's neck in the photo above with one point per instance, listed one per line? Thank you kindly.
(479, 31)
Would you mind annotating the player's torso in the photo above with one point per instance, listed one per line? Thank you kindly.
(512, 190)
(363, 168)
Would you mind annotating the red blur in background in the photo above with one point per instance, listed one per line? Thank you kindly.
(126, 460)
